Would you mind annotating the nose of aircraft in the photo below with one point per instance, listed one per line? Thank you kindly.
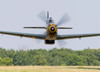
(52, 28)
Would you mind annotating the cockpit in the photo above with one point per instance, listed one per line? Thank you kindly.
(51, 20)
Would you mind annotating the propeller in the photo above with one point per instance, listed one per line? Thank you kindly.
(61, 43)
(42, 16)
(38, 41)
(63, 20)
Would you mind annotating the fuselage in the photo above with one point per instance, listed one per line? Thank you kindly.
(51, 32)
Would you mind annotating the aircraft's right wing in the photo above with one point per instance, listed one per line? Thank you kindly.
(29, 35)
(71, 36)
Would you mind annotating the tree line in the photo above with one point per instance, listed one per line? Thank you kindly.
(53, 57)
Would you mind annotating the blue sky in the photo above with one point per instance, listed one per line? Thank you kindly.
(15, 14)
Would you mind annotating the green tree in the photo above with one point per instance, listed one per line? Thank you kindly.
(39, 60)
(7, 61)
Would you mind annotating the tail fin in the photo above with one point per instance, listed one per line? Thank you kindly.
(47, 15)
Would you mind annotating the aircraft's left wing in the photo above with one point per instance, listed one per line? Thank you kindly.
(29, 35)
(70, 36)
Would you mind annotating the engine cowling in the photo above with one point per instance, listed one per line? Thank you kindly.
(49, 41)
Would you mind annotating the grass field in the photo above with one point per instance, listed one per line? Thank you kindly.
(49, 68)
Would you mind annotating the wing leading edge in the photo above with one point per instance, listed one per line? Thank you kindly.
(29, 35)
(71, 36)
(41, 36)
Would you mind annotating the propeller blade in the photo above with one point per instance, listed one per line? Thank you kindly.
(38, 41)
(63, 20)
(42, 16)
(62, 43)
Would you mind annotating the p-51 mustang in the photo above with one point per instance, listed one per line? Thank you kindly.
(51, 30)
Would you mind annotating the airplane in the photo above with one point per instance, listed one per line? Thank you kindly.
(51, 30)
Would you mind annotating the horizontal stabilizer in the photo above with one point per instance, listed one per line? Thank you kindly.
(35, 27)
(64, 27)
